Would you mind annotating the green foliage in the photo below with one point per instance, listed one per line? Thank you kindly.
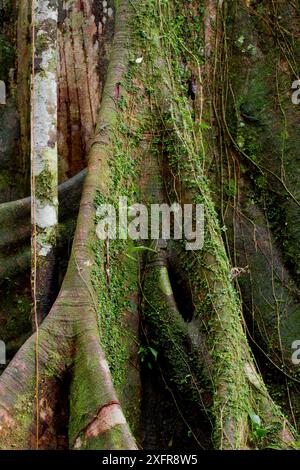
(258, 430)
(148, 355)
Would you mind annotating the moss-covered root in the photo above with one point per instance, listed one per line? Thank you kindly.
(240, 396)
(68, 345)
(98, 392)
(71, 328)
(21, 389)
(106, 427)
(180, 357)
(230, 387)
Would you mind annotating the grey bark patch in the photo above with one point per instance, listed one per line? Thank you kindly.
(2, 92)
(2, 353)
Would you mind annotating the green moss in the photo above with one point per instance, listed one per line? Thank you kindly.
(42, 43)
(114, 300)
(53, 364)
(117, 293)
(217, 303)
(162, 42)
(46, 187)
(15, 438)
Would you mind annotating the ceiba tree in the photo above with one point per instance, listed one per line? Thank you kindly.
(83, 380)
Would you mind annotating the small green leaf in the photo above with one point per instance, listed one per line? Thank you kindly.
(255, 419)
(153, 352)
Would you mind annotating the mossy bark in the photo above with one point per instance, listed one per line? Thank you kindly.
(69, 337)
(257, 181)
(236, 384)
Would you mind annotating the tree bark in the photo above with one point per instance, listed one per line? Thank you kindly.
(44, 181)
(69, 336)
(151, 140)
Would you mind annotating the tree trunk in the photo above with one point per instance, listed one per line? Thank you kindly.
(149, 344)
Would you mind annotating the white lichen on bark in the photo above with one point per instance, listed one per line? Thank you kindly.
(2, 92)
